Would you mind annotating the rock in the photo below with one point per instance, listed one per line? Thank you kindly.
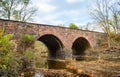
(79, 71)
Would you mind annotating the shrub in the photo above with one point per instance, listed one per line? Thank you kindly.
(73, 26)
(115, 38)
(28, 54)
(27, 41)
(40, 53)
(9, 66)
(26, 38)
(13, 63)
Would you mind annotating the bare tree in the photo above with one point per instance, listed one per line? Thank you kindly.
(88, 26)
(115, 21)
(101, 13)
(16, 9)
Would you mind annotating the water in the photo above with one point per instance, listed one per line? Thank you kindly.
(38, 74)
(56, 64)
(52, 64)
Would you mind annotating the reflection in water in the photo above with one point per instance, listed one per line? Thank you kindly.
(56, 64)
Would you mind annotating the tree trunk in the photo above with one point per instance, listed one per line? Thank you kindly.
(9, 15)
(109, 41)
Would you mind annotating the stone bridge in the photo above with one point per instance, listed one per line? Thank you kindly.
(61, 42)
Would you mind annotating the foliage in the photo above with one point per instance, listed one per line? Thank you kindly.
(73, 26)
(40, 55)
(28, 54)
(26, 38)
(26, 60)
(13, 63)
(41, 63)
(115, 38)
(9, 65)
(16, 9)
(5, 44)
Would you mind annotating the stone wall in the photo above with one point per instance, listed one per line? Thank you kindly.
(66, 35)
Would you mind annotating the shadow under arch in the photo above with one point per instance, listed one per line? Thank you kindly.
(53, 44)
(80, 45)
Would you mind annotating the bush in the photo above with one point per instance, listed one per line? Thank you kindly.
(26, 38)
(27, 41)
(40, 53)
(73, 26)
(115, 39)
(28, 57)
(28, 54)
(9, 65)
(13, 63)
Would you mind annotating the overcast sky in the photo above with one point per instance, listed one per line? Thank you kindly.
(56, 12)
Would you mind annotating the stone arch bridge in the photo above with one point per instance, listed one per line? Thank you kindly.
(62, 42)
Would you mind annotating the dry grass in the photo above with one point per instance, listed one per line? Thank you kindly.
(98, 68)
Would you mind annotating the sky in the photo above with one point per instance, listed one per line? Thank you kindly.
(56, 12)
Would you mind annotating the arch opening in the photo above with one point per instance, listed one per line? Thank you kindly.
(53, 44)
(80, 45)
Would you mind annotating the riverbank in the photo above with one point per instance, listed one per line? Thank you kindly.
(106, 65)
(98, 68)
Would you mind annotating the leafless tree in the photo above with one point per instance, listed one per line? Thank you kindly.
(101, 14)
(16, 9)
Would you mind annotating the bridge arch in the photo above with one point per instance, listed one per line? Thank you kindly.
(80, 45)
(53, 44)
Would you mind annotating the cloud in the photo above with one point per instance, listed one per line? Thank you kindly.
(53, 19)
(74, 1)
(44, 6)
(62, 17)
(55, 13)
